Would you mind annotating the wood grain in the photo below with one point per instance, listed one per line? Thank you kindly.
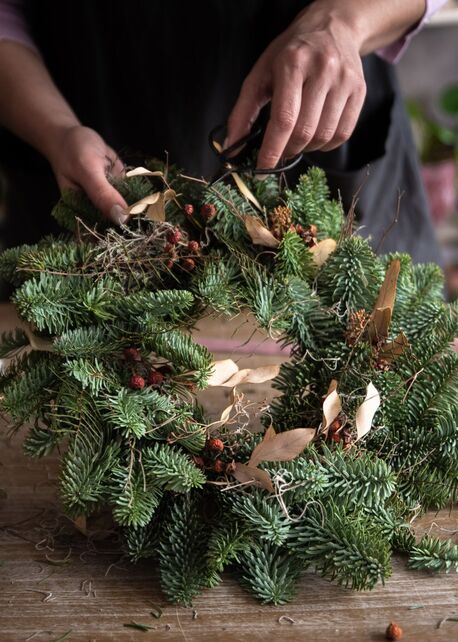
(87, 595)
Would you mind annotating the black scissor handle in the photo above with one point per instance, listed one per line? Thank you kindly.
(231, 163)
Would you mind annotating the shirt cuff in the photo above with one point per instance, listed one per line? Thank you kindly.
(13, 25)
(393, 52)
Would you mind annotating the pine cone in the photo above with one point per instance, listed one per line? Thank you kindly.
(356, 325)
(188, 209)
(280, 221)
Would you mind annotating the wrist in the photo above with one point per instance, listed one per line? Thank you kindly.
(337, 18)
(53, 135)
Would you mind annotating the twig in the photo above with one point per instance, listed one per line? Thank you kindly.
(286, 619)
(449, 618)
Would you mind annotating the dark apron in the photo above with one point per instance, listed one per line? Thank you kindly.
(156, 76)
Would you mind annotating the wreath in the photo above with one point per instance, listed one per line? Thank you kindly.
(360, 439)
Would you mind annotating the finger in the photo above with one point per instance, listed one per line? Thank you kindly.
(286, 104)
(252, 98)
(313, 97)
(114, 167)
(102, 194)
(347, 122)
(333, 108)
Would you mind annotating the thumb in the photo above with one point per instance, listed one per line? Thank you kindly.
(103, 195)
(252, 98)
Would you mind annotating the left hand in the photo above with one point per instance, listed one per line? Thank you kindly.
(312, 75)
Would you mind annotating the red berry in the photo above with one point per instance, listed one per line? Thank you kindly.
(170, 263)
(194, 247)
(336, 437)
(208, 211)
(174, 236)
(218, 466)
(216, 445)
(188, 264)
(188, 209)
(198, 461)
(155, 378)
(393, 632)
(131, 354)
(137, 382)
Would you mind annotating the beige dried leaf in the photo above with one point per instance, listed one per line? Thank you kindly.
(259, 233)
(366, 411)
(332, 405)
(322, 251)
(226, 373)
(283, 446)
(246, 192)
(380, 320)
(222, 371)
(247, 474)
(81, 524)
(156, 211)
(394, 348)
(253, 375)
(141, 205)
(142, 171)
(40, 344)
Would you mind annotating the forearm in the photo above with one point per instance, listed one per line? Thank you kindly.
(373, 23)
(31, 106)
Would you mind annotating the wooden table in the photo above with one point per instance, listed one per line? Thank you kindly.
(54, 580)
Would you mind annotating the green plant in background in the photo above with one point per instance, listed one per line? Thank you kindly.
(106, 369)
(436, 142)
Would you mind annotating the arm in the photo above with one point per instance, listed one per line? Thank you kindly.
(312, 74)
(32, 107)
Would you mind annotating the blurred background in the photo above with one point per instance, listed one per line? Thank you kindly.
(428, 73)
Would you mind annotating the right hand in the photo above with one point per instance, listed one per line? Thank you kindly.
(81, 159)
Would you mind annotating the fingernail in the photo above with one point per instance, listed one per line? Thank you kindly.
(118, 214)
(260, 177)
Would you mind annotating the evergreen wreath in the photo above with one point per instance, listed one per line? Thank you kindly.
(361, 438)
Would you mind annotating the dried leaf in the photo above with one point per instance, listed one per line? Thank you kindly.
(156, 211)
(38, 343)
(142, 171)
(387, 294)
(332, 405)
(80, 524)
(366, 411)
(283, 446)
(259, 233)
(226, 373)
(394, 348)
(322, 250)
(380, 320)
(141, 205)
(250, 474)
(222, 371)
(253, 375)
(246, 192)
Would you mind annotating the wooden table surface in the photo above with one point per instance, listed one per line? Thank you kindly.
(55, 581)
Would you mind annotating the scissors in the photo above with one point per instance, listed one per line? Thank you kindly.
(241, 163)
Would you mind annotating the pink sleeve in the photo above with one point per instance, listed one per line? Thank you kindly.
(13, 25)
(392, 53)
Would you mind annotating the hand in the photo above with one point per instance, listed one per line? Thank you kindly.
(81, 159)
(312, 75)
